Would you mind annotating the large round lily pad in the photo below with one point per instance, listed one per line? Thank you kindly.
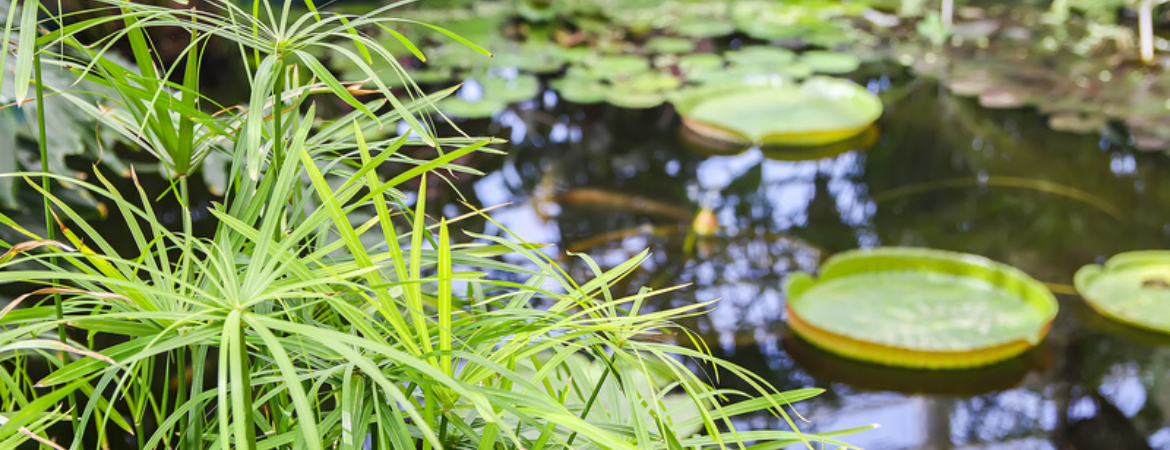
(1132, 287)
(919, 308)
(819, 111)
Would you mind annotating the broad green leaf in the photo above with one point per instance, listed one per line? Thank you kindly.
(819, 111)
(919, 307)
(1132, 287)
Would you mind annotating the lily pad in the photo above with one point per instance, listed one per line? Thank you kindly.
(819, 111)
(530, 58)
(1132, 287)
(861, 142)
(510, 90)
(462, 108)
(970, 382)
(627, 97)
(699, 62)
(669, 45)
(830, 62)
(761, 55)
(618, 66)
(580, 90)
(919, 308)
(704, 28)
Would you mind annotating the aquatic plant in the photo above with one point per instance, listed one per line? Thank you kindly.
(1131, 287)
(819, 111)
(293, 325)
(919, 308)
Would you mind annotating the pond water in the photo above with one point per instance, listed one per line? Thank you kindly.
(944, 173)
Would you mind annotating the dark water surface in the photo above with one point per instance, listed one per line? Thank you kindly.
(944, 174)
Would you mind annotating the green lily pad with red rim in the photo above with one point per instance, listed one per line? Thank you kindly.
(1132, 287)
(919, 308)
(819, 111)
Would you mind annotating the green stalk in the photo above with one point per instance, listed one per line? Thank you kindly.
(277, 133)
(43, 143)
(593, 397)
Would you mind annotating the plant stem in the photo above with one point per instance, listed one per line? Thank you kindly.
(593, 397)
(277, 129)
(43, 144)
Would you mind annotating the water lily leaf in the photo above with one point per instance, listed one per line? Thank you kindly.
(652, 82)
(699, 62)
(920, 308)
(819, 111)
(669, 45)
(861, 142)
(580, 90)
(578, 55)
(428, 76)
(625, 97)
(512, 90)
(761, 56)
(1132, 287)
(613, 67)
(830, 62)
(537, 10)
(536, 58)
(704, 28)
(462, 108)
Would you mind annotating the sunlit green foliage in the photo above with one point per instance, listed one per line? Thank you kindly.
(293, 325)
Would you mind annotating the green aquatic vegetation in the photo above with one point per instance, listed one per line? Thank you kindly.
(919, 308)
(699, 27)
(802, 19)
(583, 90)
(1132, 287)
(761, 55)
(322, 310)
(818, 111)
(598, 40)
(833, 63)
(669, 45)
(494, 95)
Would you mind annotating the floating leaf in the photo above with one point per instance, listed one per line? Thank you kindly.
(669, 45)
(830, 62)
(704, 28)
(699, 62)
(462, 108)
(580, 90)
(761, 55)
(618, 66)
(861, 142)
(920, 308)
(521, 88)
(626, 97)
(819, 111)
(1132, 287)
(971, 382)
(530, 57)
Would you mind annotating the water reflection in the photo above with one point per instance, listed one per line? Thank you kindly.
(1088, 387)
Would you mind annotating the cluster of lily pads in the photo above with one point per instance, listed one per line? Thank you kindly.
(1084, 75)
(642, 54)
